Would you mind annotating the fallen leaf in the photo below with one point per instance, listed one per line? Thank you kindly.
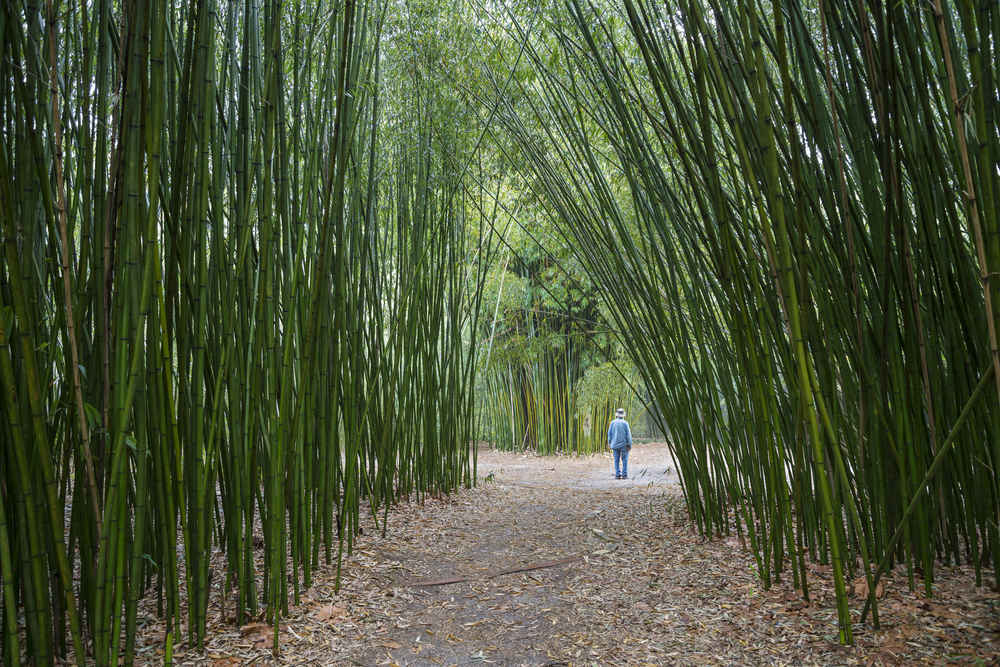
(330, 612)
(254, 628)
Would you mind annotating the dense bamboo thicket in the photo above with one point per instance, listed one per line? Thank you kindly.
(548, 404)
(245, 253)
(793, 208)
(532, 402)
(541, 336)
(236, 284)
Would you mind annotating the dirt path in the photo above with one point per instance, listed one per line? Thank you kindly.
(618, 578)
(651, 468)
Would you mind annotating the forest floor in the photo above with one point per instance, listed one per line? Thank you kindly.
(551, 561)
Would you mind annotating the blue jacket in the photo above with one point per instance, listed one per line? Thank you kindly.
(619, 434)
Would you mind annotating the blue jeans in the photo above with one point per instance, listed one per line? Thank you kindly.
(621, 461)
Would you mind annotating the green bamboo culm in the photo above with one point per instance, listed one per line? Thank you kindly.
(238, 283)
(791, 209)
(537, 383)
(533, 404)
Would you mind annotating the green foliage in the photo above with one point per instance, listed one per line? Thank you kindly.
(269, 262)
(253, 224)
(766, 197)
(608, 386)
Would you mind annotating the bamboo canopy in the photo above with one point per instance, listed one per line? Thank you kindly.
(245, 250)
(794, 211)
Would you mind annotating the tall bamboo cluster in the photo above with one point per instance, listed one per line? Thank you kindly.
(232, 305)
(531, 402)
(548, 404)
(539, 344)
(793, 207)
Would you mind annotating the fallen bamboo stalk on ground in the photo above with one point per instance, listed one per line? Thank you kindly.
(493, 575)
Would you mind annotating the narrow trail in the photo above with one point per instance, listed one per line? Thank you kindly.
(608, 572)
(561, 517)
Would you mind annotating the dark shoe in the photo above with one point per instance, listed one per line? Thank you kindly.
(623, 477)
(618, 476)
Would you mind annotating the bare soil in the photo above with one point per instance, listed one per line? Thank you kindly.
(551, 561)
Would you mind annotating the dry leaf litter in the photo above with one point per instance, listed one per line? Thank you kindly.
(551, 561)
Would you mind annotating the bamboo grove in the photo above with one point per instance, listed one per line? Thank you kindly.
(549, 405)
(793, 209)
(529, 393)
(544, 383)
(237, 279)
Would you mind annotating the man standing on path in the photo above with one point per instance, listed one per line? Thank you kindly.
(620, 442)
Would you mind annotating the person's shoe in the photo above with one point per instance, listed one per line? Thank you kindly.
(623, 477)
(618, 476)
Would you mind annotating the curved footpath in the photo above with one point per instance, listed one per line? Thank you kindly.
(551, 561)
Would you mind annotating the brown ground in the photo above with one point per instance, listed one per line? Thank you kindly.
(620, 579)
